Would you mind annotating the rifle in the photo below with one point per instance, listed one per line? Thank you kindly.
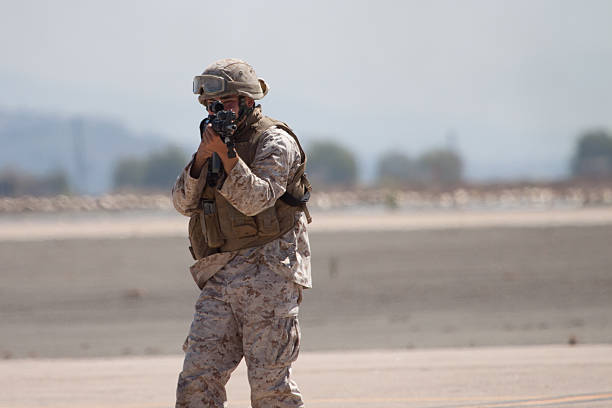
(224, 124)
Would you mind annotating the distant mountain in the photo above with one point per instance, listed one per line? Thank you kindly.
(85, 148)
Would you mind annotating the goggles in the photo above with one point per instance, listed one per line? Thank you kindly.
(208, 84)
(215, 85)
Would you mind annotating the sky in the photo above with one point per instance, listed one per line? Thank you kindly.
(509, 84)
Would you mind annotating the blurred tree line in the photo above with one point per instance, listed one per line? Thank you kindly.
(437, 167)
(16, 182)
(593, 156)
(157, 171)
(331, 165)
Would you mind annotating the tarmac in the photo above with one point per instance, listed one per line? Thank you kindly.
(500, 377)
(443, 318)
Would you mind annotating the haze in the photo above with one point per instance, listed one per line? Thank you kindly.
(510, 84)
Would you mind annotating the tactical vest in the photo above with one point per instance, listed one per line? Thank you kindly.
(219, 227)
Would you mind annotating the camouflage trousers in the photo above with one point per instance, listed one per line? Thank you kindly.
(251, 312)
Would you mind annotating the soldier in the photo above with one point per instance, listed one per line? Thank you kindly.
(248, 235)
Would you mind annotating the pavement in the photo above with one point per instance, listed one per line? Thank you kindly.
(499, 377)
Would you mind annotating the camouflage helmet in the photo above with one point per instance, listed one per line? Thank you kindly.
(229, 76)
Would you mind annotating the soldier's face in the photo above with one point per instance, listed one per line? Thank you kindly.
(229, 103)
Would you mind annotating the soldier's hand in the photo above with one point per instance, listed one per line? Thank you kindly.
(203, 153)
(211, 142)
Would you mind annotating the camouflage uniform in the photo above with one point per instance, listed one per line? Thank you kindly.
(249, 304)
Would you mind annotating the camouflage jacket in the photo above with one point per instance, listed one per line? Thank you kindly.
(250, 191)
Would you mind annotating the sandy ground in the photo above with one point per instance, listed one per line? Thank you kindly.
(543, 376)
(400, 289)
(115, 293)
(30, 227)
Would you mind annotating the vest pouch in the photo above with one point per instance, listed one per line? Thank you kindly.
(267, 222)
(196, 239)
(198, 247)
(210, 224)
(233, 223)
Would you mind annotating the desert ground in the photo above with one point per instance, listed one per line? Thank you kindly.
(498, 377)
(443, 310)
(446, 280)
